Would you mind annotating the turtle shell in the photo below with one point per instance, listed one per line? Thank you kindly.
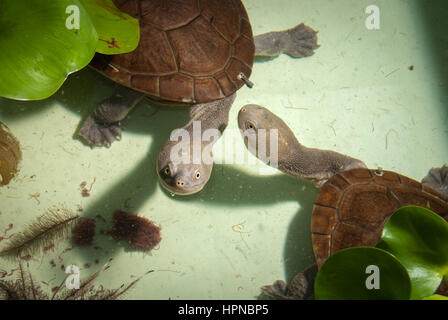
(190, 51)
(352, 208)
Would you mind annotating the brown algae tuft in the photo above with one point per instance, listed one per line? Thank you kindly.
(84, 231)
(139, 231)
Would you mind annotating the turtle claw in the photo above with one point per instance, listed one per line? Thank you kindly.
(97, 134)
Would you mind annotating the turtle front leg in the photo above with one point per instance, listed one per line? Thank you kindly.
(185, 161)
(103, 126)
(300, 288)
(297, 42)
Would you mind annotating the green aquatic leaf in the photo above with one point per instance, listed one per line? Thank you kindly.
(419, 239)
(117, 31)
(37, 50)
(436, 297)
(346, 275)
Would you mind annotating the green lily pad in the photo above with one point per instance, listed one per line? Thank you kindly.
(419, 239)
(436, 297)
(37, 50)
(349, 274)
(117, 31)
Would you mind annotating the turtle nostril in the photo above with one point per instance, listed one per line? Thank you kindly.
(180, 183)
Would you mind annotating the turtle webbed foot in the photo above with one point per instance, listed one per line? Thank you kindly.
(97, 134)
(103, 126)
(300, 41)
(297, 42)
(437, 179)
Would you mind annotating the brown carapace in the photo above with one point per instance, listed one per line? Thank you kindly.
(10, 155)
(190, 51)
(140, 232)
(352, 208)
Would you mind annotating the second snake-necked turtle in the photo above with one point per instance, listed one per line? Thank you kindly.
(197, 53)
(354, 203)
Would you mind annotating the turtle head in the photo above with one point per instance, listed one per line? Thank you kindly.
(255, 122)
(185, 162)
(181, 178)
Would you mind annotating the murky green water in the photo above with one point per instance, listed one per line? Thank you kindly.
(356, 95)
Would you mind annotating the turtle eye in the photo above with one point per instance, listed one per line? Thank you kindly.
(166, 171)
(250, 125)
(197, 175)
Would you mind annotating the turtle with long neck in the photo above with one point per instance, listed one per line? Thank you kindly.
(354, 202)
(192, 53)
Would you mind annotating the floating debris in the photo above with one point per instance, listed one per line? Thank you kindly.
(83, 186)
